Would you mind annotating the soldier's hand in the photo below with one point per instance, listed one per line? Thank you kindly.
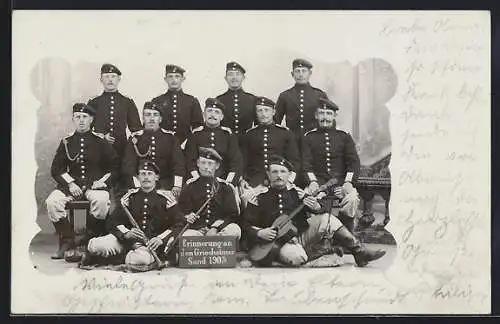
(191, 218)
(267, 234)
(211, 232)
(244, 185)
(339, 192)
(75, 190)
(135, 234)
(312, 203)
(154, 243)
(348, 187)
(176, 191)
(98, 185)
(109, 138)
(312, 188)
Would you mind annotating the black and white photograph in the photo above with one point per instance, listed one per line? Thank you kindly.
(250, 161)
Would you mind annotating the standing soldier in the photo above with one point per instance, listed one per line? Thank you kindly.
(299, 103)
(331, 153)
(264, 140)
(158, 145)
(218, 137)
(239, 111)
(181, 111)
(84, 167)
(220, 215)
(114, 111)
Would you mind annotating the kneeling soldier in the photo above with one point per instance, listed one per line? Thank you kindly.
(313, 223)
(154, 210)
(221, 212)
(85, 168)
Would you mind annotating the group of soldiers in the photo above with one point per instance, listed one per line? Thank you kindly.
(230, 168)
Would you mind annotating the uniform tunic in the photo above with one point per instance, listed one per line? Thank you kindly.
(224, 142)
(298, 104)
(161, 147)
(328, 153)
(114, 112)
(181, 113)
(88, 158)
(239, 113)
(260, 143)
(220, 211)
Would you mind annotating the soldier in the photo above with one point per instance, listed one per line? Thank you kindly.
(313, 223)
(84, 167)
(154, 210)
(158, 145)
(181, 111)
(114, 111)
(299, 102)
(239, 112)
(331, 153)
(218, 137)
(221, 213)
(264, 140)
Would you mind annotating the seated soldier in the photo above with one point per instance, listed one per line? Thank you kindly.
(220, 214)
(313, 223)
(85, 168)
(154, 210)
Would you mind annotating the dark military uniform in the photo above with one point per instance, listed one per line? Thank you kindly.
(220, 212)
(224, 142)
(262, 141)
(114, 112)
(161, 147)
(181, 113)
(298, 104)
(328, 153)
(239, 112)
(84, 158)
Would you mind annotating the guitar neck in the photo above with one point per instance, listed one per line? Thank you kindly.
(295, 212)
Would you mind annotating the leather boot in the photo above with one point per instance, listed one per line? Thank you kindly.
(362, 255)
(65, 238)
(348, 222)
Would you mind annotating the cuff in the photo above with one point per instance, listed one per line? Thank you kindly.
(349, 176)
(137, 184)
(311, 176)
(177, 181)
(66, 177)
(293, 175)
(163, 235)
(230, 176)
(217, 224)
(121, 231)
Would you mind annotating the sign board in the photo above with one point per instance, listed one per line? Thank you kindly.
(207, 251)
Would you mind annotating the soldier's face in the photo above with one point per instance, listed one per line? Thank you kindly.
(147, 179)
(82, 121)
(301, 75)
(213, 116)
(325, 117)
(234, 79)
(110, 81)
(207, 167)
(152, 119)
(174, 80)
(278, 175)
(265, 114)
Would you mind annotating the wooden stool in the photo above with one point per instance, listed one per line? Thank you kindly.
(78, 214)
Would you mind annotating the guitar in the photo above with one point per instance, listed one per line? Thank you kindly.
(264, 253)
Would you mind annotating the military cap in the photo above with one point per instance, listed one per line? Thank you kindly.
(110, 68)
(209, 153)
(301, 63)
(148, 165)
(263, 101)
(277, 159)
(325, 103)
(84, 108)
(234, 66)
(153, 106)
(171, 68)
(214, 103)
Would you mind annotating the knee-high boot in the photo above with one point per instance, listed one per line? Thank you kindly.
(362, 255)
(65, 238)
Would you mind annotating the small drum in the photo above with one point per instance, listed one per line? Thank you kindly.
(78, 212)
